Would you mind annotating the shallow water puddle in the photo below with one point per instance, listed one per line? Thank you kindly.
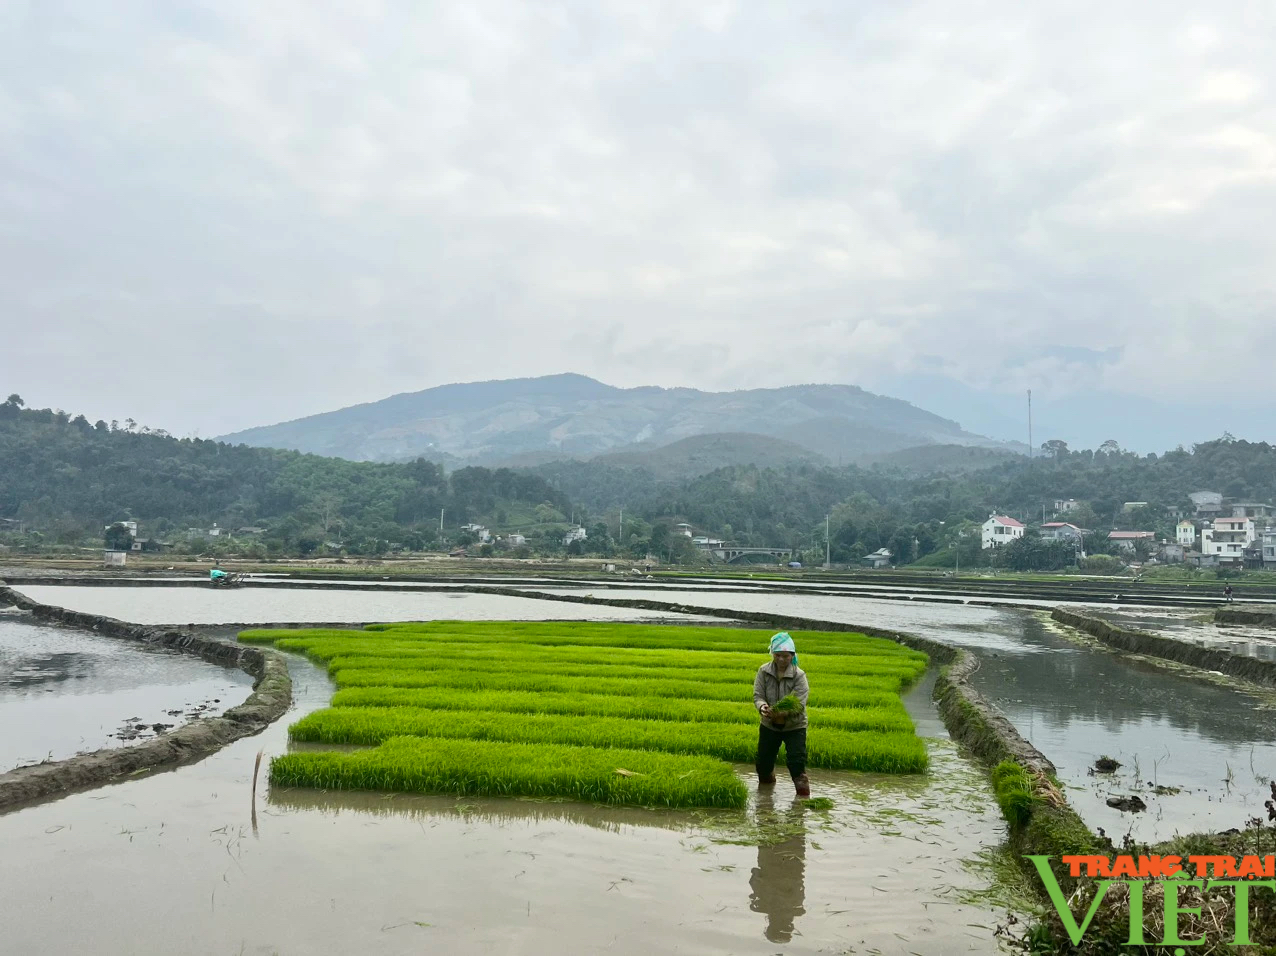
(65, 691)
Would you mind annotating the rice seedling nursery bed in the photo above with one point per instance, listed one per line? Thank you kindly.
(610, 713)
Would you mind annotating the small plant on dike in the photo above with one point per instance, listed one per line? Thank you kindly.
(1013, 788)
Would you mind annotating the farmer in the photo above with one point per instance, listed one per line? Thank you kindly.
(1227, 593)
(777, 679)
(217, 576)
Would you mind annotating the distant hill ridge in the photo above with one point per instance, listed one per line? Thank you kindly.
(569, 415)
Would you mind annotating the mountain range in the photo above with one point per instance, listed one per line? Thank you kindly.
(531, 421)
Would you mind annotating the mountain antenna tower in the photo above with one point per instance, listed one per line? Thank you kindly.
(1029, 423)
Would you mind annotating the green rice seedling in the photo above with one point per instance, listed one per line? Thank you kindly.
(546, 666)
(488, 768)
(819, 803)
(581, 656)
(634, 635)
(882, 712)
(788, 704)
(845, 695)
(827, 748)
(1013, 788)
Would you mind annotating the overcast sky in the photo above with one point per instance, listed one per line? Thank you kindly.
(228, 214)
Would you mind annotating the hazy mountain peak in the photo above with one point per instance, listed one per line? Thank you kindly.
(574, 415)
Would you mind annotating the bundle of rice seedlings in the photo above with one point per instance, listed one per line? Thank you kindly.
(1013, 787)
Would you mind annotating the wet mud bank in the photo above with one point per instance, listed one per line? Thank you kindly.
(1251, 669)
(270, 698)
(1240, 615)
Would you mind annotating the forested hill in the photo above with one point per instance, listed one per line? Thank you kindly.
(915, 513)
(69, 478)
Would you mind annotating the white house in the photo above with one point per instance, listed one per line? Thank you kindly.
(1061, 531)
(515, 540)
(682, 528)
(1000, 529)
(575, 534)
(1229, 538)
(1064, 505)
(479, 531)
(1127, 540)
(1185, 533)
(131, 525)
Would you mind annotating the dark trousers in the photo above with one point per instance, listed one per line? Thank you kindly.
(769, 742)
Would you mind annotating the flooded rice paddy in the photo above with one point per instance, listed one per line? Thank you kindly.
(200, 604)
(65, 691)
(886, 870)
(1212, 744)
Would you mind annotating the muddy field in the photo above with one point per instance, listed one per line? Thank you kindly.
(893, 868)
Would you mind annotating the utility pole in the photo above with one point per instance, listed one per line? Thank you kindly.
(827, 544)
(441, 520)
(1029, 423)
(622, 529)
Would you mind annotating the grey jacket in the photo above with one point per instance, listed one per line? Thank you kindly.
(768, 689)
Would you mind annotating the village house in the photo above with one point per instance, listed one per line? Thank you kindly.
(1251, 509)
(1198, 559)
(999, 530)
(1129, 506)
(1207, 503)
(1185, 533)
(1228, 539)
(577, 533)
(1172, 553)
(130, 525)
(515, 540)
(1063, 506)
(1128, 540)
(1062, 531)
(479, 531)
(881, 558)
(683, 529)
(1269, 549)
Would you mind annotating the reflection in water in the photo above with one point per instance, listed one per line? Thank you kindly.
(777, 886)
(65, 691)
(495, 810)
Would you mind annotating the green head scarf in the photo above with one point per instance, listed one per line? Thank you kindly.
(783, 642)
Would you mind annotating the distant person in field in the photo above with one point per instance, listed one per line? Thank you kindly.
(779, 678)
(1227, 593)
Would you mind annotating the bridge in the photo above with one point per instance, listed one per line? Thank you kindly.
(728, 554)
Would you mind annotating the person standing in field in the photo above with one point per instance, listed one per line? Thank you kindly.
(1227, 593)
(775, 680)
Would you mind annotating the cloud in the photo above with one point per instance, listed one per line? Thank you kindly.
(219, 215)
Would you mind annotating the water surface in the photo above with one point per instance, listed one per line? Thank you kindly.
(65, 691)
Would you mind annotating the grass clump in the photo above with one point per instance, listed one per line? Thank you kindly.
(1013, 788)
(487, 768)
